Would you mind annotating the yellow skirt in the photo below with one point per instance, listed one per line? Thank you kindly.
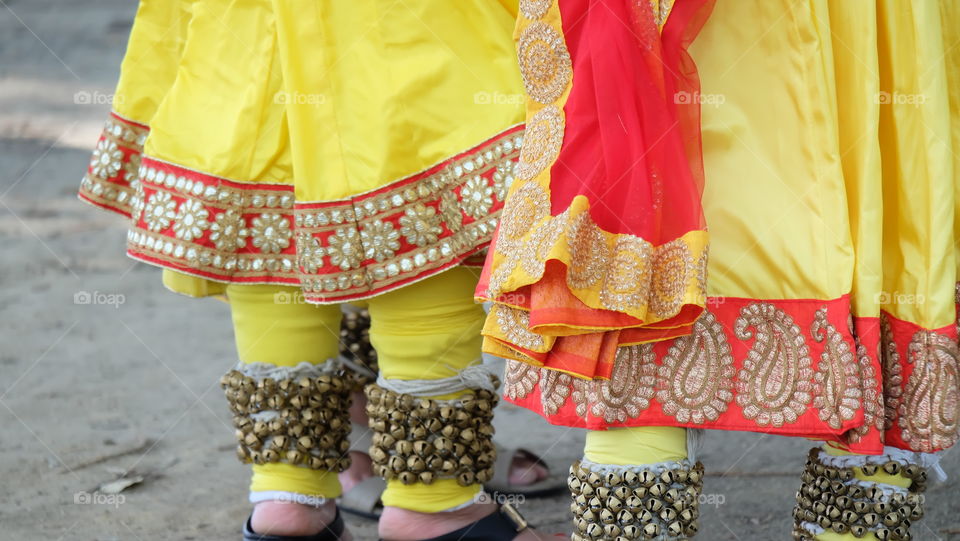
(831, 140)
(347, 148)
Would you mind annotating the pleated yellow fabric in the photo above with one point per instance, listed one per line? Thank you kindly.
(148, 71)
(348, 148)
(220, 115)
(373, 96)
(153, 54)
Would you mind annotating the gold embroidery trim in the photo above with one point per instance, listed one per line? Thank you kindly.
(226, 230)
(607, 271)
(111, 178)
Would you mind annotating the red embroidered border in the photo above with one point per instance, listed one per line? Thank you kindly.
(882, 381)
(232, 231)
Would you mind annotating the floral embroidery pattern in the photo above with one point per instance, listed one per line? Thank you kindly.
(309, 253)
(161, 209)
(420, 225)
(380, 240)
(271, 233)
(477, 197)
(112, 174)
(227, 230)
(345, 248)
(106, 161)
(191, 221)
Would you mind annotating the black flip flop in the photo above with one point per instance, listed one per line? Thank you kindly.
(332, 532)
(504, 525)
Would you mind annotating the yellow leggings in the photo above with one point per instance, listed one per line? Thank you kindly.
(427, 330)
(635, 446)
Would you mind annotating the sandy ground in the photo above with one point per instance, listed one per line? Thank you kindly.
(90, 391)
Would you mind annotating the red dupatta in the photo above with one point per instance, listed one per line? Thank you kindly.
(602, 242)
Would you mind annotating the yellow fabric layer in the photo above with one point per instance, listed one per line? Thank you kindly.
(808, 194)
(192, 286)
(950, 25)
(153, 52)
(635, 446)
(428, 330)
(774, 196)
(880, 477)
(917, 161)
(221, 116)
(381, 90)
(854, 28)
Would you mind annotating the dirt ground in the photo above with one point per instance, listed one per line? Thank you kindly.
(128, 384)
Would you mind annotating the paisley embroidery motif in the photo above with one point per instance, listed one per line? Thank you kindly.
(534, 9)
(519, 380)
(774, 385)
(627, 393)
(872, 397)
(892, 377)
(930, 409)
(590, 254)
(554, 390)
(672, 264)
(695, 381)
(837, 387)
(627, 276)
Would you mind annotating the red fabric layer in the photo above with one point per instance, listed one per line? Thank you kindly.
(631, 144)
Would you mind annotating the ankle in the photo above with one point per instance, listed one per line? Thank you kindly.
(287, 518)
(397, 524)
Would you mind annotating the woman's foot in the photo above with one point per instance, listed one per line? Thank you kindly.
(287, 518)
(398, 524)
(526, 470)
(361, 468)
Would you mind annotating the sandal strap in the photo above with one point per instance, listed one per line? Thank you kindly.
(332, 532)
(503, 525)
